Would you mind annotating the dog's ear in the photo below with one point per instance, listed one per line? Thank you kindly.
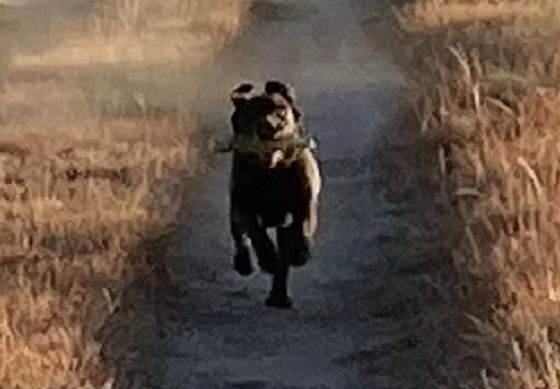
(297, 114)
(241, 94)
(282, 89)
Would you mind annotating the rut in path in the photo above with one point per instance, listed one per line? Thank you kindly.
(229, 339)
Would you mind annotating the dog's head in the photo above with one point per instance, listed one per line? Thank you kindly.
(268, 116)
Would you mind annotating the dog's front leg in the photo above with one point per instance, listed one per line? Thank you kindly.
(311, 186)
(261, 242)
(278, 296)
(300, 236)
(242, 256)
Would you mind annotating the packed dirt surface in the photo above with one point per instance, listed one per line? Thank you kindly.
(227, 337)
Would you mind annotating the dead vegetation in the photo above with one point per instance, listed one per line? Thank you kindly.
(94, 149)
(484, 76)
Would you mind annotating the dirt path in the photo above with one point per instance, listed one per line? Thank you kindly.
(232, 340)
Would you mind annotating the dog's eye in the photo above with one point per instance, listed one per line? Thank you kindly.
(282, 111)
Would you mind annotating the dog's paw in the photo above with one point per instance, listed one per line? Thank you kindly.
(242, 262)
(280, 302)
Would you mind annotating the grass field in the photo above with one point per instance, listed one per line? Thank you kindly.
(484, 78)
(95, 120)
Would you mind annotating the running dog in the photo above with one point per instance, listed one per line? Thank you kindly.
(275, 183)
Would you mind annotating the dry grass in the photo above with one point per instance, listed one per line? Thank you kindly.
(70, 218)
(94, 147)
(485, 78)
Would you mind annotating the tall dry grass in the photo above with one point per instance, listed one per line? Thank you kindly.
(115, 16)
(94, 149)
(484, 77)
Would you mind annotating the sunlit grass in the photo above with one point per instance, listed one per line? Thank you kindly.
(485, 77)
(94, 149)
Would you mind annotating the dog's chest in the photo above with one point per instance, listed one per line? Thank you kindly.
(276, 198)
(274, 185)
(267, 191)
